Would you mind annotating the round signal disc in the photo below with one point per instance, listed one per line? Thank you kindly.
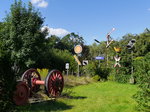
(78, 49)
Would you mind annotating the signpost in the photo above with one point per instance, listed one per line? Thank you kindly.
(99, 58)
(130, 46)
(67, 67)
(78, 50)
(109, 41)
(117, 58)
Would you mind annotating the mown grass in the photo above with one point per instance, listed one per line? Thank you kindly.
(102, 97)
(80, 95)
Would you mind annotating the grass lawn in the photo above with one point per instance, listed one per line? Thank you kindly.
(94, 97)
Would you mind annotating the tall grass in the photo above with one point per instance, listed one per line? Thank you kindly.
(43, 72)
(75, 81)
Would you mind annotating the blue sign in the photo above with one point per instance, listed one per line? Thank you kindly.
(99, 58)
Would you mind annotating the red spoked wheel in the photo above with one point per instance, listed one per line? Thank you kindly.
(54, 83)
(21, 93)
(29, 76)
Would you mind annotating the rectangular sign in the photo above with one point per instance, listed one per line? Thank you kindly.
(85, 62)
(99, 58)
(67, 66)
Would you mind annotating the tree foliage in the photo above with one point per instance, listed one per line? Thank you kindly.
(22, 36)
(142, 74)
(21, 46)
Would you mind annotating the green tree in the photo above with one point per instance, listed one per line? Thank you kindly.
(142, 74)
(59, 58)
(22, 36)
(7, 79)
(52, 41)
(69, 41)
(21, 45)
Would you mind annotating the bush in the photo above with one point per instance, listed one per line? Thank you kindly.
(111, 77)
(119, 75)
(142, 76)
(90, 69)
(93, 69)
(7, 82)
(96, 78)
(122, 78)
(59, 58)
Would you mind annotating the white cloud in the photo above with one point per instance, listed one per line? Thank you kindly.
(60, 32)
(40, 3)
(35, 1)
(43, 4)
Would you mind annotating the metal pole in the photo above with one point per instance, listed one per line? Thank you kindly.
(132, 64)
(99, 60)
(78, 70)
(132, 78)
(107, 57)
(67, 72)
(99, 64)
(78, 67)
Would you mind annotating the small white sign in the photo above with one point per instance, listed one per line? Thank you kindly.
(67, 65)
(85, 62)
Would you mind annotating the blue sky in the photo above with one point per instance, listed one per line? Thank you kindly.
(91, 19)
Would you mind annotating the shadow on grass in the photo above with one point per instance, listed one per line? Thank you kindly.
(75, 97)
(45, 106)
(69, 86)
(68, 96)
